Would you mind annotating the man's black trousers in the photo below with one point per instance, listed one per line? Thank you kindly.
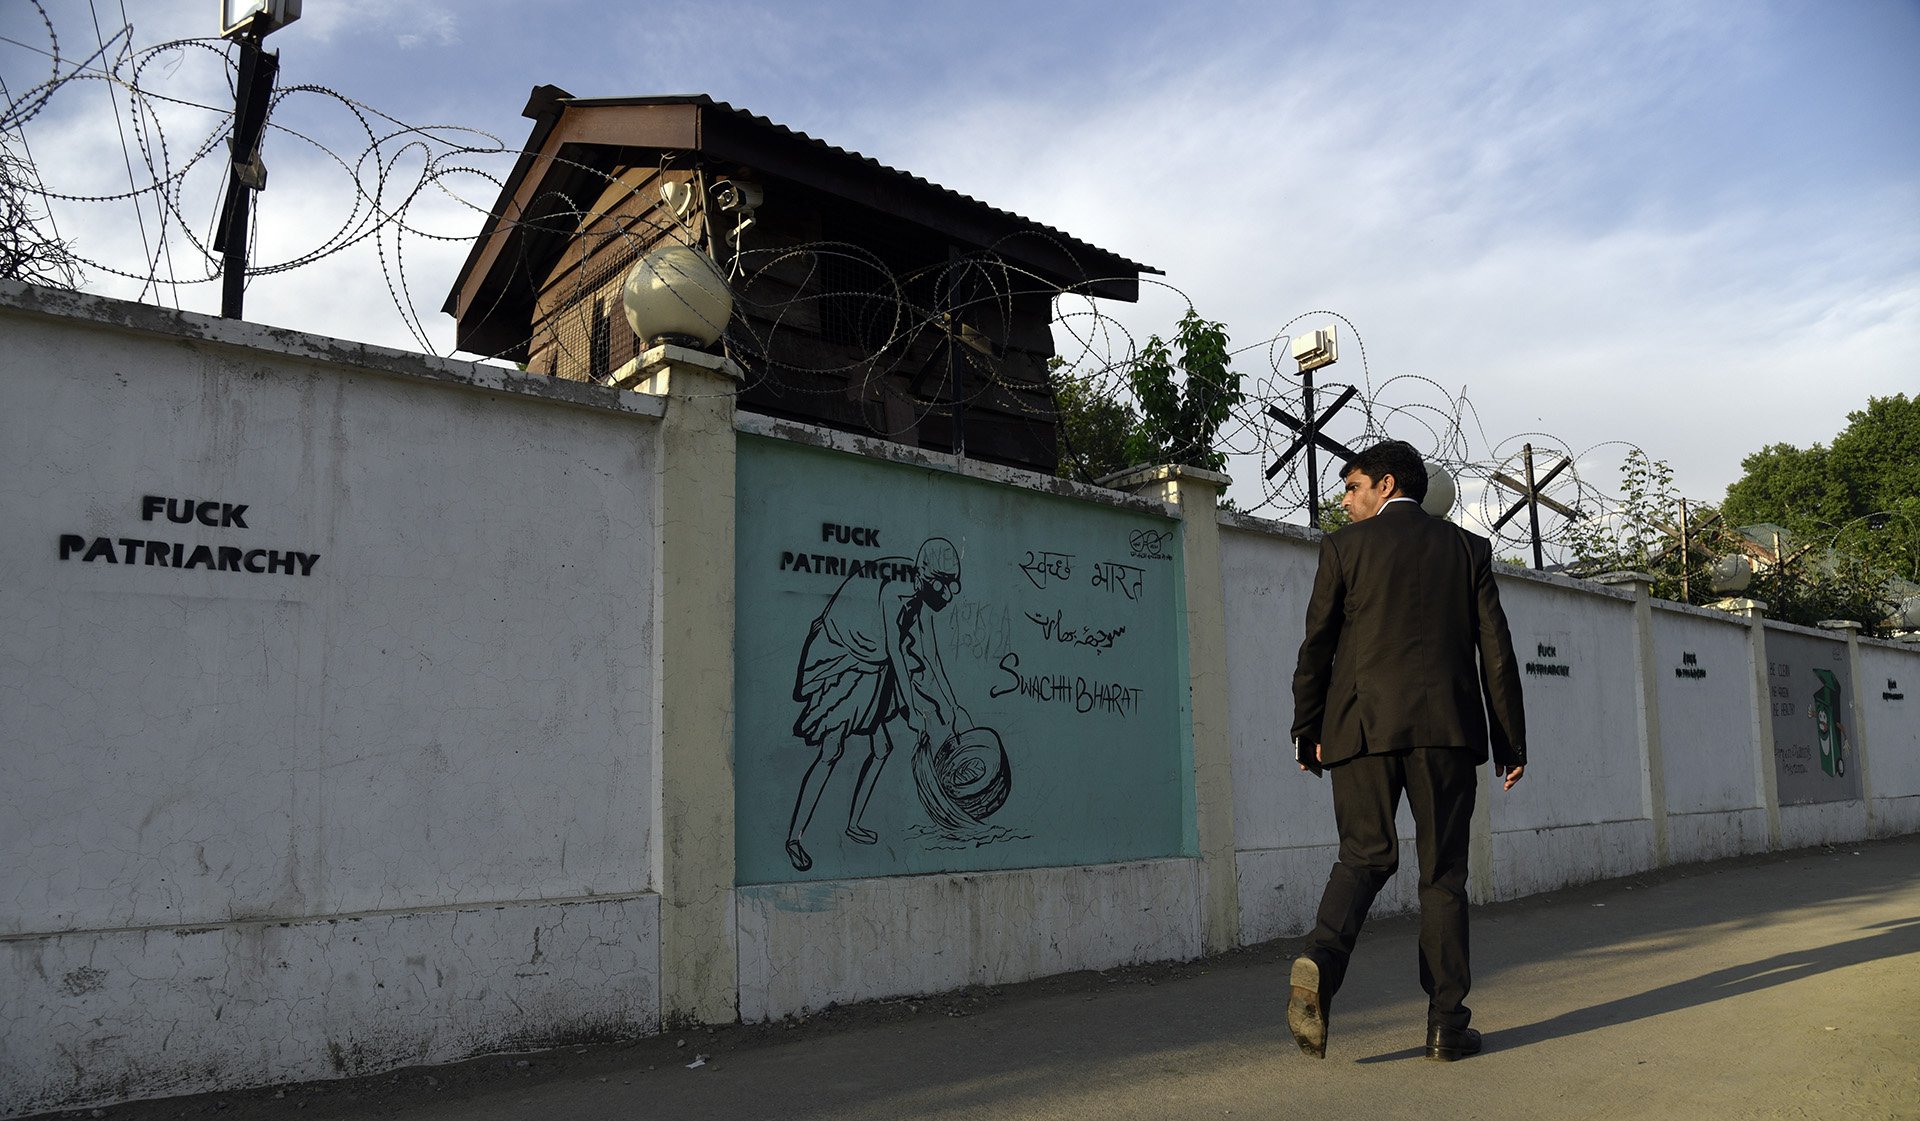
(1440, 785)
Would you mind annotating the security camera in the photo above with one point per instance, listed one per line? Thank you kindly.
(731, 194)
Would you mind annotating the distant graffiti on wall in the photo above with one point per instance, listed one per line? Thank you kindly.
(1808, 693)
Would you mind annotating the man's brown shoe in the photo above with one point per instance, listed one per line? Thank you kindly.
(1445, 1044)
(1307, 1008)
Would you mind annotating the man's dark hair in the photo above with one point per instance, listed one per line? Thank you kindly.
(1396, 458)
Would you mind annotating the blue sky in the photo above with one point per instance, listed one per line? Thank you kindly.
(1694, 227)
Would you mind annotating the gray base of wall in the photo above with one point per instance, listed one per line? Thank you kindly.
(1896, 817)
(1715, 835)
(1280, 889)
(95, 1017)
(1822, 823)
(1530, 861)
(807, 945)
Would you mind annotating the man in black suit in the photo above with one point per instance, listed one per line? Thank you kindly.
(1388, 697)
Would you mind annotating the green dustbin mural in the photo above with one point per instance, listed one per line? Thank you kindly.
(1813, 724)
(939, 674)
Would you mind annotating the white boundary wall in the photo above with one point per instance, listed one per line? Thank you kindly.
(393, 807)
(1630, 764)
(407, 807)
(1582, 812)
(804, 946)
(1886, 677)
(1285, 839)
(1715, 792)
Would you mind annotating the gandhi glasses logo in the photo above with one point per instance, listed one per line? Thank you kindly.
(150, 552)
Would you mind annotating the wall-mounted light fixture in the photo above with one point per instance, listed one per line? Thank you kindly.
(676, 294)
(1731, 574)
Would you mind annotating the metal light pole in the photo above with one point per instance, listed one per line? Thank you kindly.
(1312, 351)
(246, 22)
(1313, 461)
(1533, 512)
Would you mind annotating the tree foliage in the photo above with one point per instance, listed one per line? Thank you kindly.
(1860, 495)
(27, 252)
(1633, 538)
(1332, 515)
(1820, 576)
(1643, 535)
(1093, 431)
(1184, 398)
(1186, 391)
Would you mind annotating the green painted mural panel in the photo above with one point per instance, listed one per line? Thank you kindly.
(940, 674)
(1811, 692)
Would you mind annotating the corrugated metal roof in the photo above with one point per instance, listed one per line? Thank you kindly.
(492, 301)
(705, 101)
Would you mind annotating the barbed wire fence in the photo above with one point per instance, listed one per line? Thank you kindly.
(399, 185)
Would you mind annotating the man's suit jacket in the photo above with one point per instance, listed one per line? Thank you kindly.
(1401, 605)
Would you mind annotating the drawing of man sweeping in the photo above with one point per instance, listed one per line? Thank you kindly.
(872, 657)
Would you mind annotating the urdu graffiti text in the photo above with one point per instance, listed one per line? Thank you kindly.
(1054, 629)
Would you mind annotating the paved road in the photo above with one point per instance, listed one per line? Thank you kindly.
(1784, 986)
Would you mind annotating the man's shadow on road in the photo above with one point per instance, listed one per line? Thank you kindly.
(1896, 937)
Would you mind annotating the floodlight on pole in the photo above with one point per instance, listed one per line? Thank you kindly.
(1316, 349)
(1311, 351)
(246, 22)
(255, 18)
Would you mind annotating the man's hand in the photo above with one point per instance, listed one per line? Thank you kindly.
(1314, 766)
(1512, 774)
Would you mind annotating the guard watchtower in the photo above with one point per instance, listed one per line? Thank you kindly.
(867, 299)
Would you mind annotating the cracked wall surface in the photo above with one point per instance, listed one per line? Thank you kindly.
(806, 945)
(100, 1017)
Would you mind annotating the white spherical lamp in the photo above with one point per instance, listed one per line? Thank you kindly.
(1441, 491)
(676, 294)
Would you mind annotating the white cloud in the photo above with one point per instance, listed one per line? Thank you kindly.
(1437, 191)
(1517, 199)
(418, 24)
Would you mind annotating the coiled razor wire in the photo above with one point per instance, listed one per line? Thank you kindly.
(895, 319)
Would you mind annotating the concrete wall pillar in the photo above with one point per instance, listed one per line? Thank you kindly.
(1196, 493)
(693, 612)
(1653, 784)
(1767, 782)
